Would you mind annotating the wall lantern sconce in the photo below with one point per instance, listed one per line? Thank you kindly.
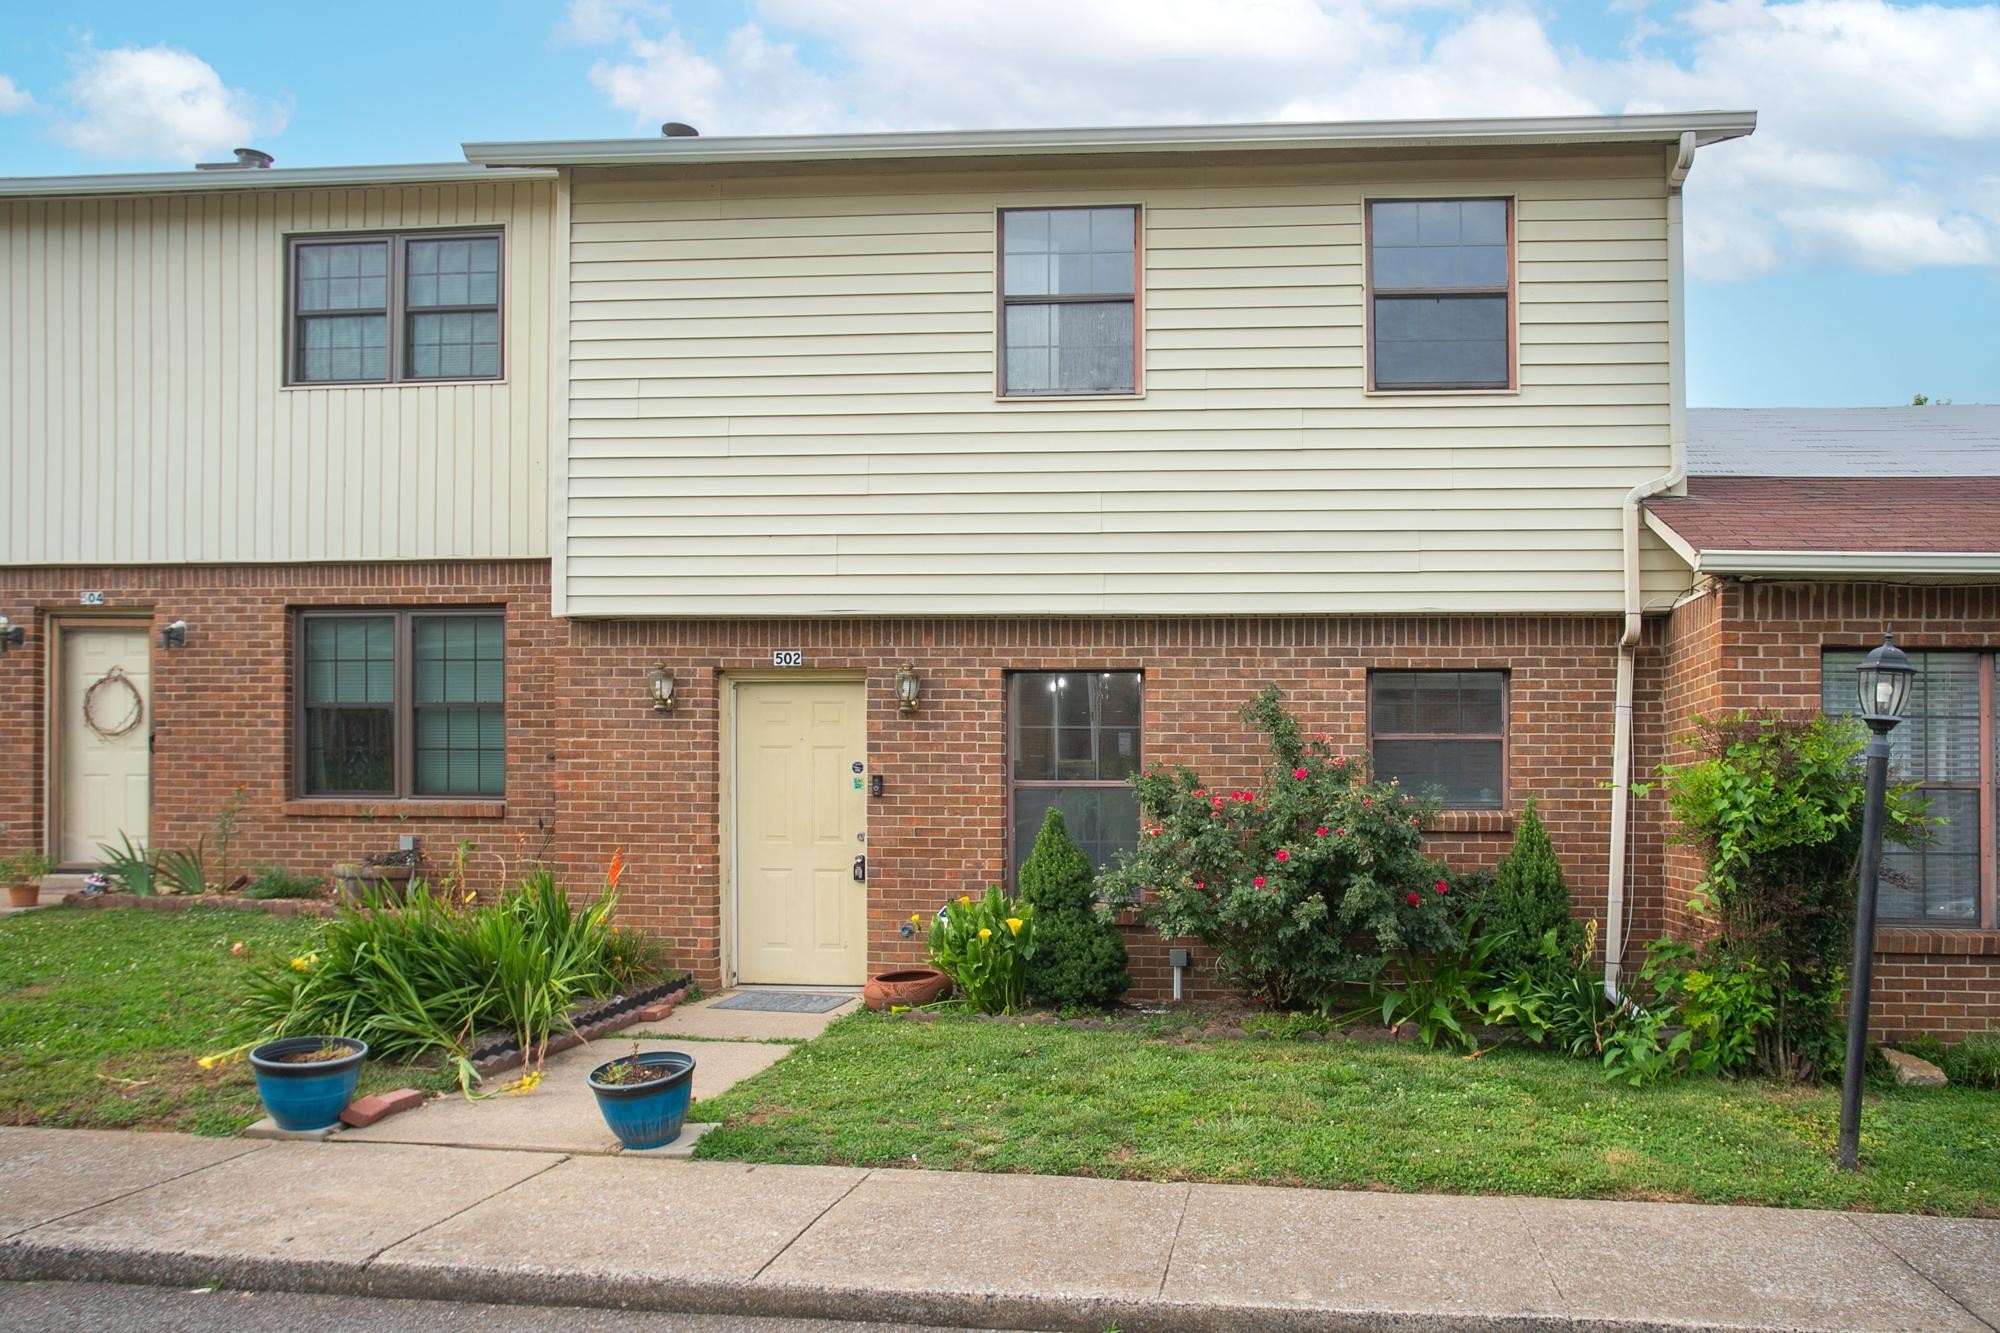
(11, 635)
(175, 635)
(908, 687)
(660, 683)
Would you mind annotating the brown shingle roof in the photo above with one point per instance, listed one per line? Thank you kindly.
(1877, 514)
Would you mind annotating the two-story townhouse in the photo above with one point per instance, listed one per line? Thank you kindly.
(804, 516)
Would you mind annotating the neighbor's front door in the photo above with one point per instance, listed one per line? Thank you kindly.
(104, 750)
(801, 917)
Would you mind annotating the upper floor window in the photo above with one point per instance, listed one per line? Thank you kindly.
(1068, 287)
(1440, 280)
(396, 307)
(1442, 734)
(1948, 744)
(401, 704)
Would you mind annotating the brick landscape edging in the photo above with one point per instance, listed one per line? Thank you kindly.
(621, 1011)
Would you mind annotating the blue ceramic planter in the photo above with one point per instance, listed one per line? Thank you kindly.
(647, 1115)
(306, 1096)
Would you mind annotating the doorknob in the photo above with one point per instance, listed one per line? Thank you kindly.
(861, 868)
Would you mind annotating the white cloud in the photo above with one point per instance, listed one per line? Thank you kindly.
(14, 99)
(1879, 124)
(157, 103)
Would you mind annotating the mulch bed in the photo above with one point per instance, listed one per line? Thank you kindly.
(1197, 1021)
(181, 902)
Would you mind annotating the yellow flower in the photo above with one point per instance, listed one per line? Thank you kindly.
(1014, 924)
(526, 1083)
(915, 917)
(965, 900)
(985, 932)
(300, 965)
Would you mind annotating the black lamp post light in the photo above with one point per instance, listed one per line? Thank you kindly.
(1882, 683)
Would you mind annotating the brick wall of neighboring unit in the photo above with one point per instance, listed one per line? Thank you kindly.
(220, 705)
(1747, 646)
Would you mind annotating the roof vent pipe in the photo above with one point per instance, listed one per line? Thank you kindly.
(675, 129)
(247, 159)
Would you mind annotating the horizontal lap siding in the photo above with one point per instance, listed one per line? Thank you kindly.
(781, 401)
(142, 413)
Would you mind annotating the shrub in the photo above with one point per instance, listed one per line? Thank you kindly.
(432, 972)
(277, 882)
(985, 945)
(1706, 1014)
(1079, 961)
(1450, 992)
(1527, 900)
(1300, 889)
(1774, 805)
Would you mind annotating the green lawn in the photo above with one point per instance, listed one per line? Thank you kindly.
(963, 1095)
(103, 1014)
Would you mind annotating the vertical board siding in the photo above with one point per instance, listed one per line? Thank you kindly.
(781, 400)
(142, 366)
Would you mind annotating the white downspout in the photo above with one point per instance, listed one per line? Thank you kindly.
(1628, 642)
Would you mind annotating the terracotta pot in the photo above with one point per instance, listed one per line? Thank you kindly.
(24, 895)
(911, 988)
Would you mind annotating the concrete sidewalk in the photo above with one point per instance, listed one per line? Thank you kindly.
(417, 1221)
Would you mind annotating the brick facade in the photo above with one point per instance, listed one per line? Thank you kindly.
(591, 766)
(1758, 645)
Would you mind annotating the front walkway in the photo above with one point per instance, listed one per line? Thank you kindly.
(424, 1221)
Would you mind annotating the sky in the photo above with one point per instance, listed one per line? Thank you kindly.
(1848, 254)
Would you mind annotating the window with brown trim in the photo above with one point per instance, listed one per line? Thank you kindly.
(397, 307)
(1440, 294)
(1947, 744)
(1442, 734)
(401, 704)
(1073, 745)
(1068, 301)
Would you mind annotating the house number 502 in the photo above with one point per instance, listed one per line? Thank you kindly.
(788, 657)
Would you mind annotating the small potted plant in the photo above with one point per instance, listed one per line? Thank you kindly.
(24, 877)
(644, 1097)
(306, 1082)
(380, 875)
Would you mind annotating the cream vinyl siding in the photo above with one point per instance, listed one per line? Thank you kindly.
(782, 399)
(145, 418)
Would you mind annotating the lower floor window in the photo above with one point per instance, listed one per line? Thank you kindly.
(1442, 734)
(1947, 743)
(401, 703)
(1073, 746)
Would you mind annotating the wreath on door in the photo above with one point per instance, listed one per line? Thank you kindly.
(97, 704)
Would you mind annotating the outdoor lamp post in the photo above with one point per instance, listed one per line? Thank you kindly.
(1882, 682)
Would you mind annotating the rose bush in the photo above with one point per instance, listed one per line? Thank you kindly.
(1303, 885)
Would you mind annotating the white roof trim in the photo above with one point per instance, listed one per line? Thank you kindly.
(1848, 562)
(1679, 544)
(1707, 126)
(265, 178)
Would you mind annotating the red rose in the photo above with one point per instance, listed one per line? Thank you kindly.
(1412, 898)
(1284, 855)
(1340, 833)
(1366, 803)
(1201, 884)
(1442, 887)
(1320, 832)
(1217, 803)
(1298, 773)
(1258, 882)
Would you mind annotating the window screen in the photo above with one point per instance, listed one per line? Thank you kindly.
(1442, 733)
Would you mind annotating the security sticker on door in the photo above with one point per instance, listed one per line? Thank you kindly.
(788, 657)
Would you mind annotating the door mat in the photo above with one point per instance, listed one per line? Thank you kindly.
(783, 1002)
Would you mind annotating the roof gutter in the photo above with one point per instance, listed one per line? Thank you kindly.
(1849, 564)
(1705, 126)
(1628, 640)
(269, 178)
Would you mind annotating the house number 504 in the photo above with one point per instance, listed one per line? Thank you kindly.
(788, 657)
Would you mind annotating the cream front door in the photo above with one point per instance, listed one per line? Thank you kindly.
(801, 918)
(106, 769)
